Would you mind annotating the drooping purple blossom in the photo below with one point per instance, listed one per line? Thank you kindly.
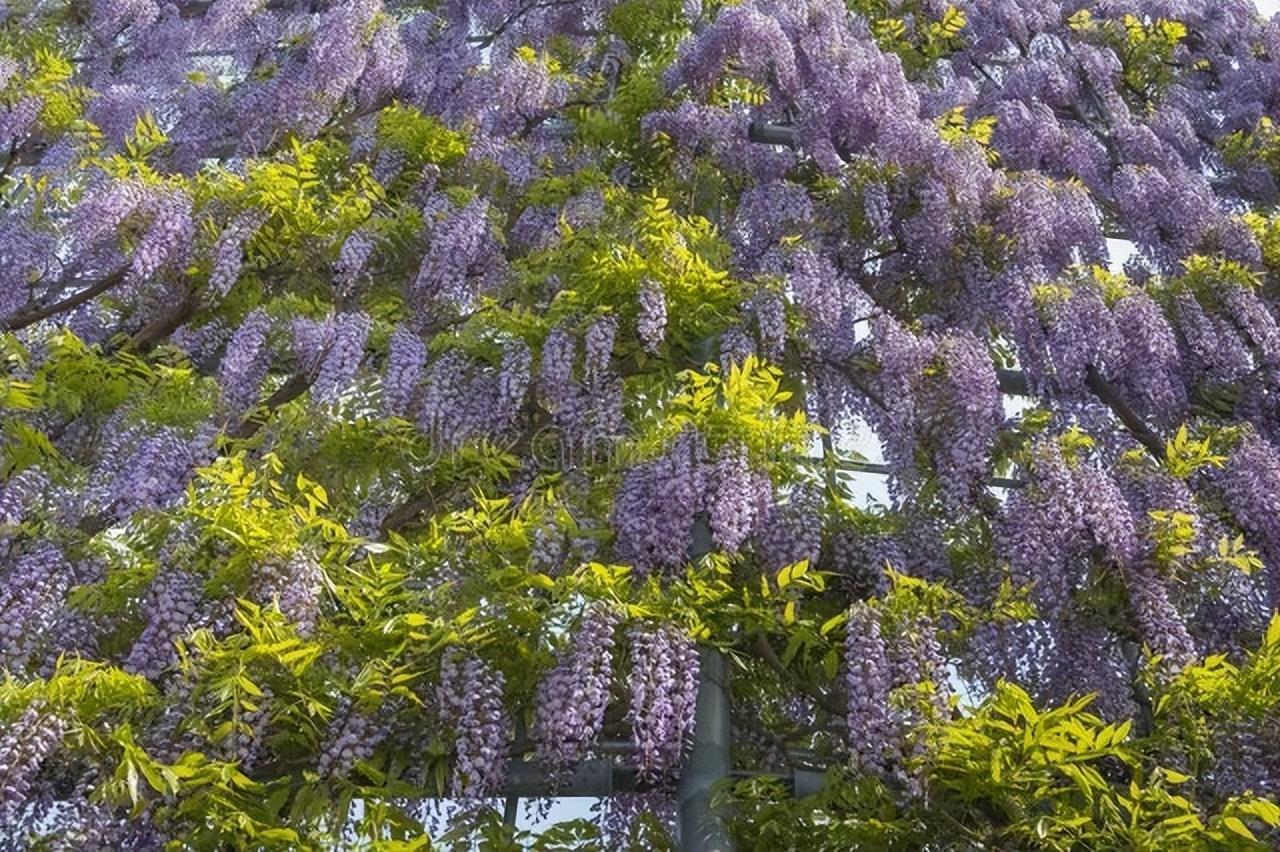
(973, 412)
(651, 323)
(561, 393)
(664, 692)
(23, 748)
(157, 473)
(1250, 486)
(654, 507)
(1149, 366)
(295, 585)
(1159, 622)
(352, 737)
(342, 360)
(406, 359)
(1214, 347)
(110, 17)
(18, 120)
(470, 696)
(461, 249)
(791, 531)
(444, 413)
(872, 734)
(228, 251)
(514, 377)
(20, 495)
(104, 208)
(1106, 515)
(572, 697)
(599, 347)
(754, 39)
(245, 363)
(167, 241)
(311, 340)
(1041, 527)
(32, 596)
(385, 65)
(737, 498)
(170, 604)
(352, 260)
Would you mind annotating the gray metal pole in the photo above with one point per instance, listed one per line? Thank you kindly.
(700, 829)
(511, 810)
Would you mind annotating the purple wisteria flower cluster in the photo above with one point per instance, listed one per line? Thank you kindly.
(573, 696)
(664, 695)
(470, 695)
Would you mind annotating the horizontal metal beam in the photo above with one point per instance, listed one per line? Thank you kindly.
(590, 779)
(885, 470)
(767, 133)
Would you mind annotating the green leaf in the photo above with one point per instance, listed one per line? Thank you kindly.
(833, 622)
(1237, 825)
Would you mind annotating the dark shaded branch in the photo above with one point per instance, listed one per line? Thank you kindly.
(1110, 397)
(858, 380)
(489, 38)
(1015, 383)
(164, 324)
(294, 387)
(884, 470)
(407, 512)
(33, 314)
(767, 133)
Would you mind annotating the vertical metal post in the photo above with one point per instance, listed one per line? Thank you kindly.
(700, 829)
(510, 810)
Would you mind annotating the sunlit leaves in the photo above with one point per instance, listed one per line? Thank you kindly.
(423, 138)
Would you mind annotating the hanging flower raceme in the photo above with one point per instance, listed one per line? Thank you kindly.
(651, 321)
(352, 737)
(560, 392)
(753, 39)
(791, 531)
(245, 363)
(572, 697)
(167, 241)
(664, 694)
(1042, 527)
(1250, 485)
(295, 585)
(19, 497)
(514, 378)
(873, 738)
(31, 598)
(462, 256)
(23, 747)
(353, 257)
(406, 359)
(655, 506)
(470, 695)
(170, 605)
(342, 360)
(1159, 622)
(970, 415)
(156, 474)
(738, 498)
(1106, 515)
(1149, 367)
(228, 251)
(310, 85)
